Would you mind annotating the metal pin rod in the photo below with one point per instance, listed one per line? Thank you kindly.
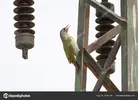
(25, 53)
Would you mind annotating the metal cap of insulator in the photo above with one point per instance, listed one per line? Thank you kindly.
(24, 34)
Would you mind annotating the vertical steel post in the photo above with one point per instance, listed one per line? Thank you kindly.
(129, 43)
(124, 48)
(82, 41)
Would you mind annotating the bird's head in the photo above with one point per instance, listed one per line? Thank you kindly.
(64, 32)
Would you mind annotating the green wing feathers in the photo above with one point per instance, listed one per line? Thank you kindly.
(69, 51)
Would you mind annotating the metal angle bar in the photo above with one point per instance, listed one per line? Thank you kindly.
(103, 39)
(108, 63)
(78, 74)
(129, 44)
(109, 13)
(96, 70)
(124, 47)
(82, 41)
(85, 43)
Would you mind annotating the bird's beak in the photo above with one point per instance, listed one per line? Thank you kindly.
(67, 27)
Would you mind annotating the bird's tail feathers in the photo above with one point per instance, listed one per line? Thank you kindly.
(77, 65)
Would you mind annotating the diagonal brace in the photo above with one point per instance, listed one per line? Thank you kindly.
(96, 70)
(109, 13)
(103, 39)
(108, 63)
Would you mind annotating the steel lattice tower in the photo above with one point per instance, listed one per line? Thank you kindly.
(127, 39)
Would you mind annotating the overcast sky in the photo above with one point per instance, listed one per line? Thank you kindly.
(47, 68)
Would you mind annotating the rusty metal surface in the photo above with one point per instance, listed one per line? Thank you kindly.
(103, 39)
(82, 41)
(96, 70)
(107, 64)
(124, 50)
(107, 11)
(129, 10)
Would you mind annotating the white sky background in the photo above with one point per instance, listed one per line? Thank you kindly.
(47, 68)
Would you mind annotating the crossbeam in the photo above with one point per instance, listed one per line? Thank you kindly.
(109, 13)
(103, 39)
